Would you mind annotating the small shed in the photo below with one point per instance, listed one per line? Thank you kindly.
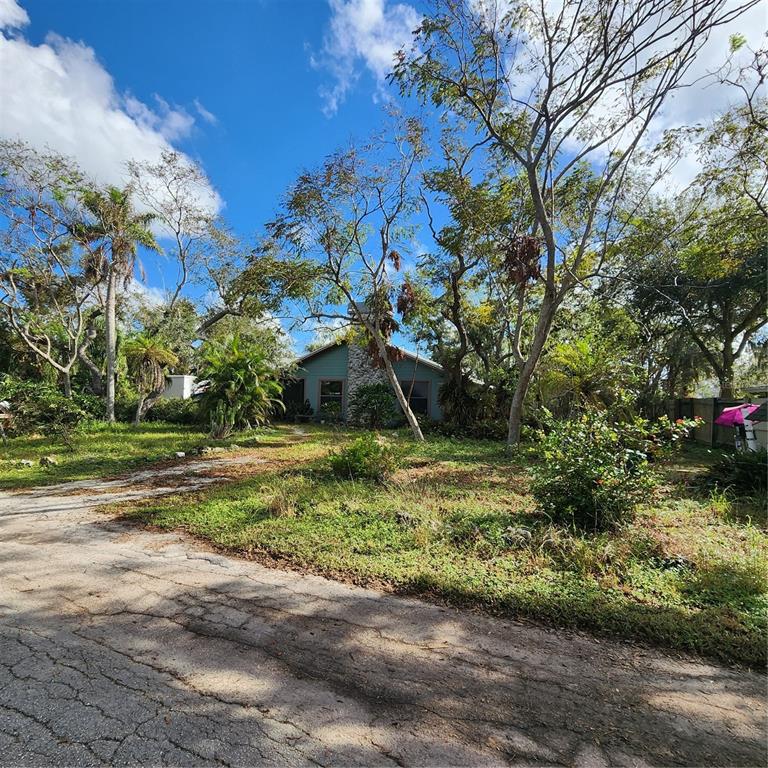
(179, 386)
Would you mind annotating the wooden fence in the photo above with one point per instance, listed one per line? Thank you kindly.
(707, 408)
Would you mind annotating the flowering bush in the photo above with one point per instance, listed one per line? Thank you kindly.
(595, 471)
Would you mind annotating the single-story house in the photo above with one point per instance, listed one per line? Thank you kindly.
(333, 373)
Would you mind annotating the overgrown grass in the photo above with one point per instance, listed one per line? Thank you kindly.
(458, 524)
(97, 450)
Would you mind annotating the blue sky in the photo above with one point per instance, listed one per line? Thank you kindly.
(245, 61)
(253, 90)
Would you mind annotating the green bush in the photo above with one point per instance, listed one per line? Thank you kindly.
(744, 472)
(175, 411)
(367, 458)
(373, 405)
(330, 412)
(595, 472)
(243, 388)
(41, 407)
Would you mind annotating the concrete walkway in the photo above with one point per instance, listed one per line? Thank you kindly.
(129, 647)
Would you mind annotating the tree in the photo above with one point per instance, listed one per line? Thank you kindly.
(564, 94)
(243, 385)
(47, 291)
(348, 222)
(115, 231)
(177, 193)
(704, 267)
(147, 362)
(461, 301)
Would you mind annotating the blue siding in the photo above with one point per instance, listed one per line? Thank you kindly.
(408, 370)
(330, 364)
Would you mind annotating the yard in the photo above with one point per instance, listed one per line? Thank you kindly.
(457, 523)
(100, 450)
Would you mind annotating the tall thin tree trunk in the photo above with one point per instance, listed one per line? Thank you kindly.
(541, 335)
(67, 382)
(410, 416)
(111, 342)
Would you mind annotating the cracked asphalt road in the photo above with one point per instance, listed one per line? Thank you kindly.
(124, 646)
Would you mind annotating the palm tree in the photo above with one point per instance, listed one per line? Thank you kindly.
(147, 361)
(243, 385)
(114, 230)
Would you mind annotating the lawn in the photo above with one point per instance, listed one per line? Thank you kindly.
(457, 524)
(98, 450)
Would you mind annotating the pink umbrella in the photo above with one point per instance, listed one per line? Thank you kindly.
(732, 416)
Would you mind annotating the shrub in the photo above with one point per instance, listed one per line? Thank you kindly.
(373, 405)
(41, 407)
(223, 418)
(744, 472)
(367, 458)
(298, 411)
(595, 472)
(243, 385)
(330, 412)
(176, 411)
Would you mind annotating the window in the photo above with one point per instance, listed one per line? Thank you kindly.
(419, 395)
(331, 392)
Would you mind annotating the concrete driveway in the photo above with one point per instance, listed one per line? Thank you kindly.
(129, 647)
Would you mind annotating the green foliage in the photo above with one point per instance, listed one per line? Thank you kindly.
(296, 410)
(588, 372)
(366, 458)
(594, 472)
(743, 472)
(330, 412)
(147, 359)
(174, 410)
(243, 385)
(97, 449)
(373, 405)
(37, 407)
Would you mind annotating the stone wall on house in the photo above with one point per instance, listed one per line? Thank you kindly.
(360, 372)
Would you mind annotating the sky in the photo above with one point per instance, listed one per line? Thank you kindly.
(253, 90)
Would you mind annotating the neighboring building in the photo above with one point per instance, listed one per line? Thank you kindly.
(333, 373)
(179, 386)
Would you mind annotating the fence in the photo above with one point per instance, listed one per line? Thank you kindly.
(707, 408)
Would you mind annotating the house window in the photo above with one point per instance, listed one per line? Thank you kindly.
(417, 393)
(331, 392)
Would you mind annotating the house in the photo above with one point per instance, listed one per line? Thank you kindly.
(333, 373)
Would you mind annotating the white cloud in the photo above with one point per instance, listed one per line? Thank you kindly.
(700, 100)
(57, 95)
(12, 15)
(362, 34)
(207, 115)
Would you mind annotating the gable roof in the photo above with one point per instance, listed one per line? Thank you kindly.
(406, 353)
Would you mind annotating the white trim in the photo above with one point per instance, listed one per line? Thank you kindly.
(412, 355)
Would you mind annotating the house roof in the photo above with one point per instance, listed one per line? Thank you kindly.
(411, 355)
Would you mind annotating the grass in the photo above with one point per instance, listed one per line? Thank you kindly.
(458, 524)
(98, 450)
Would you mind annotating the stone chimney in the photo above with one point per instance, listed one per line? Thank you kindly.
(360, 372)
